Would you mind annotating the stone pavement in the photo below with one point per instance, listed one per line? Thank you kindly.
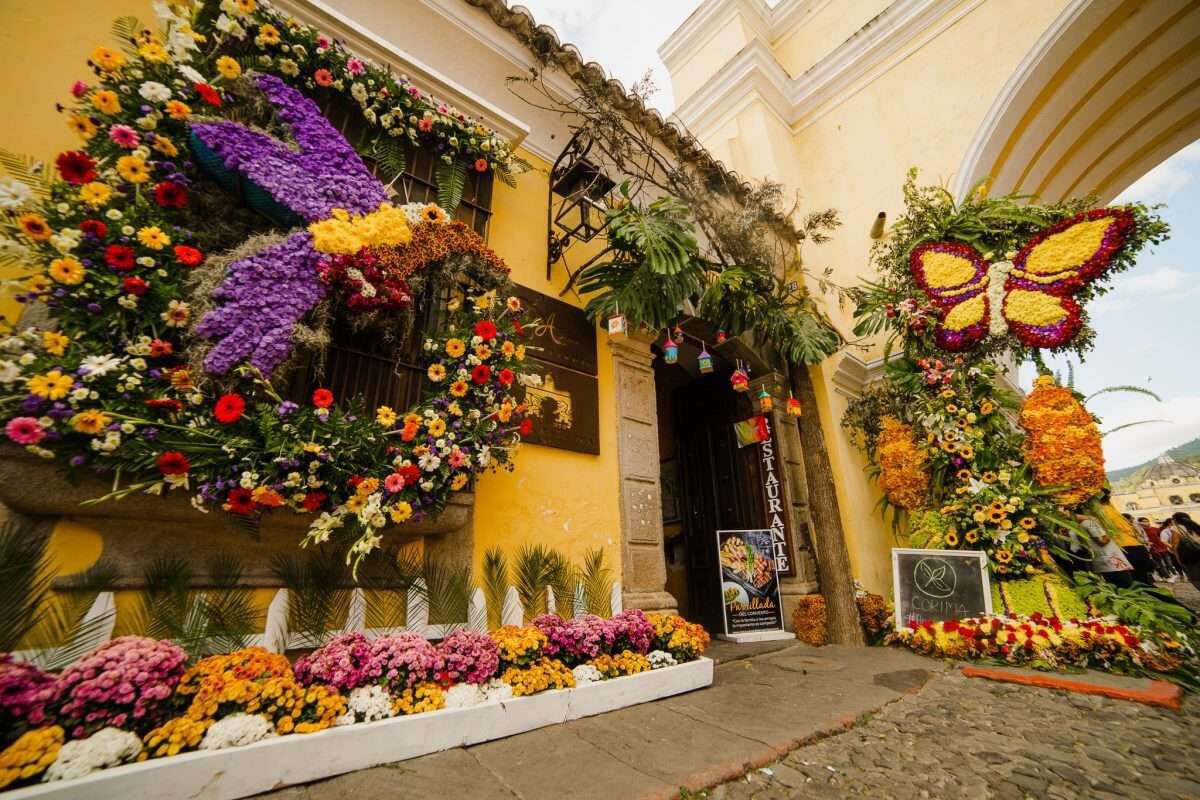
(967, 737)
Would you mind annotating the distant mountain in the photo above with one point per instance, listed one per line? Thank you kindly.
(1128, 477)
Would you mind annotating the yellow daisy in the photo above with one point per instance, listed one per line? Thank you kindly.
(133, 169)
(106, 101)
(35, 227)
(455, 347)
(82, 125)
(228, 67)
(55, 342)
(107, 59)
(154, 52)
(437, 426)
(436, 372)
(54, 385)
(267, 34)
(153, 237)
(67, 271)
(90, 422)
(400, 512)
(95, 194)
(165, 146)
(385, 416)
(459, 481)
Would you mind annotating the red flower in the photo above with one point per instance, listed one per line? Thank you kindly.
(169, 194)
(481, 374)
(229, 408)
(173, 462)
(207, 93)
(506, 376)
(240, 501)
(354, 480)
(160, 348)
(135, 285)
(119, 257)
(411, 474)
(485, 329)
(322, 398)
(188, 256)
(76, 167)
(481, 165)
(164, 403)
(526, 427)
(323, 77)
(94, 227)
(518, 328)
(313, 500)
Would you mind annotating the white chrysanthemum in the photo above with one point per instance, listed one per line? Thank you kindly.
(497, 691)
(661, 658)
(14, 194)
(237, 730)
(155, 92)
(464, 695)
(585, 674)
(98, 366)
(105, 748)
(367, 704)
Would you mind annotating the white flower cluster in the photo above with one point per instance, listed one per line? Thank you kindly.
(465, 695)
(367, 704)
(585, 674)
(107, 747)
(237, 730)
(660, 658)
(497, 691)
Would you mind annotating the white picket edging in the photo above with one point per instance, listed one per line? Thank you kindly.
(299, 758)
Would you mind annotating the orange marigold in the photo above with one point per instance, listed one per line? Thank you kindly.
(1062, 443)
(903, 465)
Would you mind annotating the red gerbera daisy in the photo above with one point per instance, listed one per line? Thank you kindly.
(207, 93)
(229, 408)
(481, 374)
(173, 462)
(119, 257)
(135, 285)
(314, 500)
(526, 427)
(160, 348)
(485, 329)
(76, 167)
(93, 227)
(240, 501)
(411, 474)
(169, 194)
(506, 376)
(517, 328)
(188, 256)
(322, 398)
(481, 165)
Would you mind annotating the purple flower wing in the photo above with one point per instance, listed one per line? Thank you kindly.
(260, 301)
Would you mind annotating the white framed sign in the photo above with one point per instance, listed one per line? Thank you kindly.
(939, 585)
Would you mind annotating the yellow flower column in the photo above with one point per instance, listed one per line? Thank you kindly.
(1063, 442)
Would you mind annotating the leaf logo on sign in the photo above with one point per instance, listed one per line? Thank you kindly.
(935, 577)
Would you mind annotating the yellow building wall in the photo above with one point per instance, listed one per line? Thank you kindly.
(696, 67)
(816, 35)
(562, 499)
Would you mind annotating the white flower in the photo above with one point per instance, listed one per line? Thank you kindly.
(497, 690)
(429, 462)
(661, 658)
(289, 67)
(155, 92)
(585, 674)
(128, 301)
(105, 748)
(14, 194)
(80, 394)
(237, 730)
(358, 92)
(9, 372)
(11, 250)
(367, 704)
(464, 695)
(191, 74)
(66, 240)
(26, 359)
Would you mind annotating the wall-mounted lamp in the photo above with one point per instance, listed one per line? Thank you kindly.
(878, 225)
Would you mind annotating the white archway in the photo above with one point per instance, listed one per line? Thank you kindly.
(1109, 91)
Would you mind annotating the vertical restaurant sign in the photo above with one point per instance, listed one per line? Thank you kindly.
(777, 515)
(749, 583)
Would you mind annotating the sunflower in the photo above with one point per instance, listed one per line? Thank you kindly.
(963, 474)
(455, 347)
(966, 451)
(988, 476)
(35, 227)
(133, 169)
(996, 506)
(951, 538)
(972, 536)
(995, 516)
(946, 394)
(433, 213)
(986, 407)
(90, 422)
(948, 445)
(67, 271)
(1003, 556)
(1028, 523)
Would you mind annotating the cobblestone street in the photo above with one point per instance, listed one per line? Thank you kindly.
(973, 738)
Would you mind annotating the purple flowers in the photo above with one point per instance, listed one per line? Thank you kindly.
(351, 660)
(468, 656)
(122, 683)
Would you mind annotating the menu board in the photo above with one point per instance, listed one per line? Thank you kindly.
(749, 581)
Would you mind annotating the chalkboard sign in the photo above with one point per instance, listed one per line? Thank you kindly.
(749, 582)
(939, 585)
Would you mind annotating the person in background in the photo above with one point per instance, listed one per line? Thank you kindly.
(1107, 559)
(1189, 546)
(1158, 551)
(1126, 538)
(1171, 535)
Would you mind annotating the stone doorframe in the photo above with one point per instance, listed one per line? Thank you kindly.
(643, 558)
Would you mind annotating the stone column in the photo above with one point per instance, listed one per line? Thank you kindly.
(790, 466)
(643, 560)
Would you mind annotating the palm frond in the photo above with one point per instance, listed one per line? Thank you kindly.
(533, 576)
(24, 582)
(125, 29)
(1131, 425)
(28, 170)
(494, 585)
(318, 593)
(1130, 389)
(564, 577)
(386, 581)
(447, 591)
(452, 181)
(597, 582)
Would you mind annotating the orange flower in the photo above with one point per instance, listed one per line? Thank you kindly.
(903, 466)
(1062, 443)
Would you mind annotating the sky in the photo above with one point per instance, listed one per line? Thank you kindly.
(1148, 328)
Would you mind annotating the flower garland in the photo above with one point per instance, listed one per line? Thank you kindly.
(902, 466)
(1063, 443)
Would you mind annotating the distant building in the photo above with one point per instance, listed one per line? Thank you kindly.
(1167, 487)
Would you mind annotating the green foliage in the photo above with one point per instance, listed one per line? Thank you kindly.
(447, 591)
(452, 181)
(318, 592)
(495, 585)
(597, 581)
(536, 569)
(1145, 606)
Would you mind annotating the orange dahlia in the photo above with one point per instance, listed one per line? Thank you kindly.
(1062, 443)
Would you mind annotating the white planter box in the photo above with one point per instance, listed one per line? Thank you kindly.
(300, 758)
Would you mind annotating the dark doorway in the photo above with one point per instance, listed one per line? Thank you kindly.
(720, 485)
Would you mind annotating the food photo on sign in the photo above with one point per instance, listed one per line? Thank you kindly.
(749, 582)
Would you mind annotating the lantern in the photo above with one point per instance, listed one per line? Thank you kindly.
(670, 351)
(765, 402)
(704, 360)
(721, 337)
(678, 335)
(618, 327)
(793, 406)
(740, 379)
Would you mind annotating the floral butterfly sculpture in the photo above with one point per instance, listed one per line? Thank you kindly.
(321, 182)
(1029, 296)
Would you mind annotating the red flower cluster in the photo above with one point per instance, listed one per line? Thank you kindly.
(367, 284)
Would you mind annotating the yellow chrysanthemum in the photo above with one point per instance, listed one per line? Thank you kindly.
(133, 169)
(66, 271)
(342, 233)
(400, 512)
(385, 416)
(153, 237)
(228, 67)
(55, 342)
(437, 426)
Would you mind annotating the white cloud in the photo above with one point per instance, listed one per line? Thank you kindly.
(1141, 443)
(1153, 281)
(1161, 183)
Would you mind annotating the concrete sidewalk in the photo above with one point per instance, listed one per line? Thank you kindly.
(757, 710)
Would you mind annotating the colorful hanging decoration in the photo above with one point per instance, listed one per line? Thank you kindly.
(670, 350)
(705, 360)
(765, 402)
(794, 409)
(618, 327)
(721, 337)
(751, 431)
(678, 335)
(740, 379)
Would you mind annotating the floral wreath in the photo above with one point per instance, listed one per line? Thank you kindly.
(156, 365)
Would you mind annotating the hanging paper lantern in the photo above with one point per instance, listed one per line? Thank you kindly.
(793, 406)
(678, 335)
(705, 360)
(670, 351)
(765, 401)
(618, 326)
(721, 337)
(740, 380)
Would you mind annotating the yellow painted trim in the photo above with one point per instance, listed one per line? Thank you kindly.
(1122, 169)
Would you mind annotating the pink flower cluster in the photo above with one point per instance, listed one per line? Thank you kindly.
(25, 691)
(631, 631)
(469, 657)
(575, 641)
(122, 683)
(351, 660)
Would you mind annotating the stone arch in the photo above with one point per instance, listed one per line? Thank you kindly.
(1109, 91)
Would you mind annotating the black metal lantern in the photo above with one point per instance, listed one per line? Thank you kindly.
(583, 188)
